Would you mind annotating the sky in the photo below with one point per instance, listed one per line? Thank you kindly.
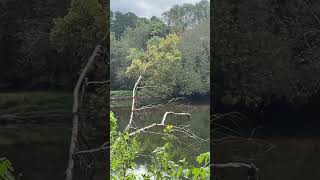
(146, 8)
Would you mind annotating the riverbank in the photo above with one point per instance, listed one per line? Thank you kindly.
(36, 126)
(22, 102)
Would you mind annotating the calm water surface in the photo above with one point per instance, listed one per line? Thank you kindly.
(292, 158)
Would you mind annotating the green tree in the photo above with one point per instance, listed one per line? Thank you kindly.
(194, 46)
(160, 64)
(135, 36)
(119, 50)
(144, 30)
(121, 21)
(85, 26)
(179, 17)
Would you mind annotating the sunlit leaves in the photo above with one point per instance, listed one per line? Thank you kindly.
(205, 157)
(124, 150)
(159, 64)
(168, 128)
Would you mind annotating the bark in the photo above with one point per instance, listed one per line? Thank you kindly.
(134, 91)
(75, 123)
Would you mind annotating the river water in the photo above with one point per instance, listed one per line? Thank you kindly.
(41, 153)
(45, 156)
(291, 158)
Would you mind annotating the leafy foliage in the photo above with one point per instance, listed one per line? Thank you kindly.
(179, 17)
(261, 52)
(159, 64)
(181, 68)
(124, 150)
(6, 169)
(121, 21)
(85, 26)
(195, 51)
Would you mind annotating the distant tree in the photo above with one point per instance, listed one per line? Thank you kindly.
(121, 21)
(138, 36)
(135, 37)
(195, 49)
(119, 50)
(179, 17)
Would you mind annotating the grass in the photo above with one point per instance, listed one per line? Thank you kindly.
(120, 93)
(23, 135)
(120, 103)
(35, 101)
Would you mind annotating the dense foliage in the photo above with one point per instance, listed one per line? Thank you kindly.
(159, 64)
(125, 149)
(6, 169)
(172, 51)
(265, 51)
(27, 59)
(85, 26)
(42, 43)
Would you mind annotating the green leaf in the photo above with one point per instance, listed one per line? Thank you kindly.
(196, 172)
(203, 157)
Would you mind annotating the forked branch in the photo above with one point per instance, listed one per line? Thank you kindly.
(134, 91)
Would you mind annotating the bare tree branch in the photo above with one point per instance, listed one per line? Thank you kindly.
(235, 165)
(97, 82)
(156, 106)
(133, 102)
(75, 123)
(102, 148)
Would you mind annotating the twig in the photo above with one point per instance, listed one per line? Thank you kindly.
(145, 128)
(156, 106)
(235, 165)
(102, 148)
(97, 82)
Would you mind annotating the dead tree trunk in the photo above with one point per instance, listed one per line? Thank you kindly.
(75, 123)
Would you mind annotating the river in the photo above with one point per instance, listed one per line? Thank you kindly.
(41, 152)
(38, 153)
(291, 158)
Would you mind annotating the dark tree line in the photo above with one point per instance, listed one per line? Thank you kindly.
(27, 59)
(264, 52)
(43, 43)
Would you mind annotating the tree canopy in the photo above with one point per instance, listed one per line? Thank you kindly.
(171, 51)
